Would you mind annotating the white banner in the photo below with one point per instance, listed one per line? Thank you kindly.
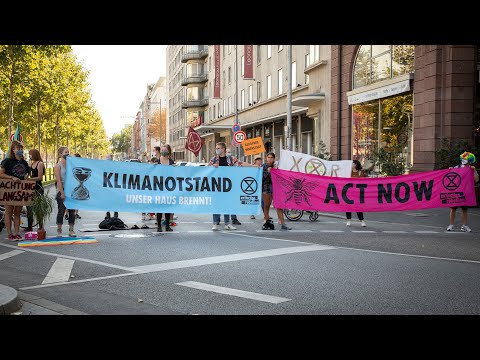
(308, 164)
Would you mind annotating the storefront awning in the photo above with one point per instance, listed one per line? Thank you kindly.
(307, 100)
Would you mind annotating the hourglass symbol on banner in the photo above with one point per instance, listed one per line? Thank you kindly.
(81, 192)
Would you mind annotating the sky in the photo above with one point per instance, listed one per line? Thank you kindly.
(118, 78)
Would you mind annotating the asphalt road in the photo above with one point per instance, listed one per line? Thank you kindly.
(401, 263)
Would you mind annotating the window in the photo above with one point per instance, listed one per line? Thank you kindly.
(259, 54)
(230, 105)
(280, 47)
(307, 79)
(242, 99)
(229, 49)
(269, 86)
(224, 78)
(280, 81)
(269, 51)
(250, 95)
(224, 107)
(242, 64)
(259, 91)
(229, 74)
(294, 75)
(223, 50)
(214, 113)
(379, 62)
(210, 64)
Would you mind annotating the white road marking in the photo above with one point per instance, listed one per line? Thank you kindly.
(234, 292)
(297, 231)
(200, 231)
(426, 232)
(331, 231)
(394, 232)
(10, 254)
(227, 258)
(363, 231)
(60, 271)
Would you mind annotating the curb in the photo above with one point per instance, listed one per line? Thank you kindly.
(9, 301)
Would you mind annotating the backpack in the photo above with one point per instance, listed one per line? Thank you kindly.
(113, 223)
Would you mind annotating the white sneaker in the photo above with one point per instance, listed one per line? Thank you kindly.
(465, 228)
(450, 228)
(349, 223)
(363, 223)
(215, 227)
(230, 227)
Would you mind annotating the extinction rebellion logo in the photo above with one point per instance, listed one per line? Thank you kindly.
(249, 186)
(451, 182)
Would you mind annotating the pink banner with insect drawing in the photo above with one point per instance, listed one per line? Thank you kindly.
(426, 190)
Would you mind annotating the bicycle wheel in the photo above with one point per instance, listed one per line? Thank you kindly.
(313, 216)
(293, 215)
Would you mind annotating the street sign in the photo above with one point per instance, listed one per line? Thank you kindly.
(236, 128)
(239, 137)
(235, 144)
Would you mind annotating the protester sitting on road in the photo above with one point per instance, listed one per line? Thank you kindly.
(60, 175)
(356, 172)
(267, 193)
(467, 159)
(14, 168)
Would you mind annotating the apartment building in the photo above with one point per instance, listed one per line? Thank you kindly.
(261, 102)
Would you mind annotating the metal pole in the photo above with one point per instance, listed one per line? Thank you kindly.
(289, 98)
(236, 96)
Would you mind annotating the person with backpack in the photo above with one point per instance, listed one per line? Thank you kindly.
(467, 159)
(222, 159)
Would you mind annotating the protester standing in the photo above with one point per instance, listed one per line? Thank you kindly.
(60, 175)
(37, 170)
(357, 172)
(163, 154)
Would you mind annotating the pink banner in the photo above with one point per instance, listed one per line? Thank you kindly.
(426, 190)
(216, 84)
(248, 62)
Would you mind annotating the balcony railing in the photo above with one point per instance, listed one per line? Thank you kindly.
(199, 54)
(195, 79)
(194, 103)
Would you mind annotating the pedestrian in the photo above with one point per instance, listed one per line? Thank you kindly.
(267, 194)
(14, 168)
(163, 153)
(109, 157)
(234, 218)
(467, 159)
(357, 172)
(221, 159)
(37, 169)
(77, 216)
(60, 175)
(257, 162)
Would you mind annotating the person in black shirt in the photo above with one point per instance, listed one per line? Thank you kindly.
(14, 168)
(37, 169)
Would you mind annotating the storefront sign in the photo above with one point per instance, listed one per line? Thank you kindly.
(248, 63)
(382, 92)
(216, 85)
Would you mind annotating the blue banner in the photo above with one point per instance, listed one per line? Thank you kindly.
(105, 185)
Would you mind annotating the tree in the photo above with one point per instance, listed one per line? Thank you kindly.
(157, 128)
(121, 143)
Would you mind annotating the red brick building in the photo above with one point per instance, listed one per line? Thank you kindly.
(403, 97)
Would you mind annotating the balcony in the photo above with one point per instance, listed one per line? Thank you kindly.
(195, 79)
(197, 54)
(194, 103)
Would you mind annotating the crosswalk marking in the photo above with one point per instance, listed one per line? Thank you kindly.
(10, 254)
(234, 292)
(60, 271)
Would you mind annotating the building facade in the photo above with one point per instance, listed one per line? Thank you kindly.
(261, 101)
(403, 100)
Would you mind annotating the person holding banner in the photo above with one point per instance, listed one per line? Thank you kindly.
(222, 159)
(37, 170)
(163, 154)
(467, 159)
(357, 171)
(267, 194)
(60, 174)
(14, 168)
(257, 162)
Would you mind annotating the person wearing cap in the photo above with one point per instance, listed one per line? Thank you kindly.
(467, 159)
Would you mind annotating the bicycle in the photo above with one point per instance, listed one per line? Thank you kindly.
(23, 219)
(295, 215)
